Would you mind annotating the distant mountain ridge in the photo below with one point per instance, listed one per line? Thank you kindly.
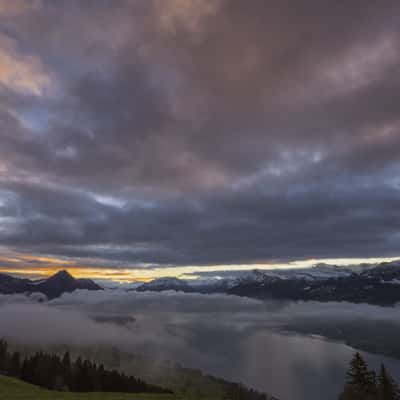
(181, 285)
(377, 285)
(161, 284)
(52, 287)
(373, 284)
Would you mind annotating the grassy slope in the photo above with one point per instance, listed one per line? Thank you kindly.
(14, 389)
(187, 383)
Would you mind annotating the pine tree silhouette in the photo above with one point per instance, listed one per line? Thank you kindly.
(360, 381)
(82, 375)
(14, 364)
(387, 387)
(3, 356)
(67, 371)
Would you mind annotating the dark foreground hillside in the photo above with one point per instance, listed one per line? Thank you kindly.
(160, 378)
(14, 389)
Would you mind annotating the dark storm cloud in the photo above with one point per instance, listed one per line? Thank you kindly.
(235, 227)
(200, 132)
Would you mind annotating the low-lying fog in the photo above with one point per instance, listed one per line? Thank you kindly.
(235, 338)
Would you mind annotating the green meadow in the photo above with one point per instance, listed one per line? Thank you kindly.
(14, 389)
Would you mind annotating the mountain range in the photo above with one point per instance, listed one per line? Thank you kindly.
(52, 287)
(372, 283)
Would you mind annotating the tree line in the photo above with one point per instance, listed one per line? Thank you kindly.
(237, 391)
(364, 384)
(54, 372)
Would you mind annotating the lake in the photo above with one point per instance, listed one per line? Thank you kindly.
(234, 338)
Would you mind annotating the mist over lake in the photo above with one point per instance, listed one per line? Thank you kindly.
(239, 339)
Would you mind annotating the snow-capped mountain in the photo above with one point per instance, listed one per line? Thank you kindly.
(377, 284)
(256, 276)
(317, 272)
(386, 271)
(374, 283)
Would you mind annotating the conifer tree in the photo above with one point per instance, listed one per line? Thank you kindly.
(67, 370)
(14, 365)
(360, 381)
(3, 355)
(387, 387)
(82, 375)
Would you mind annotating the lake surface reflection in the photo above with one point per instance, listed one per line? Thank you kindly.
(250, 347)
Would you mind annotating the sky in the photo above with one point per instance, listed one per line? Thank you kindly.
(145, 138)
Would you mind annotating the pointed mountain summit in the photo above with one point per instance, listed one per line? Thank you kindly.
(62, 282)
(61, 276)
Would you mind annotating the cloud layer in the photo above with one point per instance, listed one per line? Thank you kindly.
(199, 132)
(232, 337)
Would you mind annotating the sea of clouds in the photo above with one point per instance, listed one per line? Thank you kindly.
(233, 337)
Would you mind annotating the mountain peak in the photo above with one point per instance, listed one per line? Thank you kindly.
(63, 274)
(62, 282)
